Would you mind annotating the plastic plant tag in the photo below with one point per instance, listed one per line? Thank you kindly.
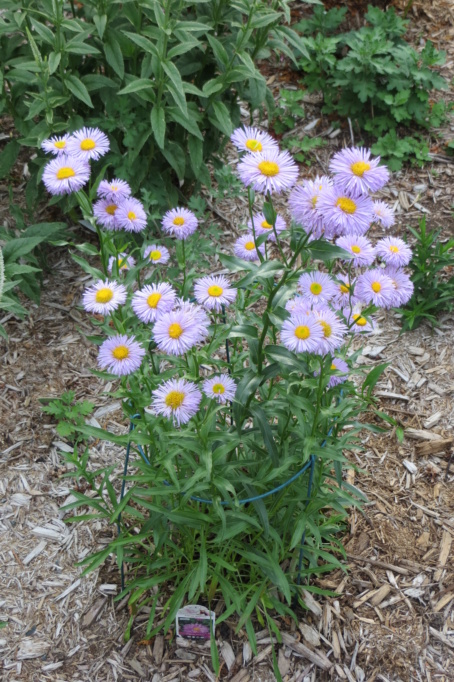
(195, 622)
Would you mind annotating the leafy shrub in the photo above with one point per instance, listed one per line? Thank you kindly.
(70, 415)
(432, 275)
(23, 264)
(163, 77)
(289, 109)
(375, 77)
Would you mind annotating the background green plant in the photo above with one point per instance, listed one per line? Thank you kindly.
(162, 77)
(432, 268)
(373, 76)
(69, 414)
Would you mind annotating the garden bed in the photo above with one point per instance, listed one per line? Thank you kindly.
(393, 616)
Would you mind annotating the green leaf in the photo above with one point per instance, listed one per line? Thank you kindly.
(76, 46)
(100, 22)
(175, 86)
(324, 251)
(260, 418)
(16, 248)
(158, 124)
(54, 61)
(221, 118)
(114, 56)
(219, 50)
(8, 157)
(143, 42)
(78, 89)
(195, 148)
(136, 85)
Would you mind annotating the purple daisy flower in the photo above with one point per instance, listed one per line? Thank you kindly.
(153, 300)
(156, 254)
(180, 222)
(114, 191)
(344, 296)
(131, 215)
(245, 248)
(213, 292)
(103, 297)
(361, 249)
(124, 262)
(196, 314)
(88, 143)
(56, 145)
(221, 388)
(333, 330)
(303, 204)
(316, 286)
(262, 226)
(176, 399)
(65, 174)
(248, 139)
(356, 172)
(120, 355)
(402, 283)
(105, 213)
(373, 286)
(271, 171)
(338, 365)
(302, 333)
(394, 251)
(343, 213)
(383, 214)
(298, 305)
(178, 331)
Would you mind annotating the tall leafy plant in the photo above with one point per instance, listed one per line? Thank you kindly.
(163, 77)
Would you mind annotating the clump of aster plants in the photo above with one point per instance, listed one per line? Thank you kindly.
(240, 384)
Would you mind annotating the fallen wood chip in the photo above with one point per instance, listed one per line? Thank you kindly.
(227, 654)
(410, 466)
(32, 648)
(34, 553)
(449, 641)
(419, 434)
(318, 658)
(443, 602)
(311, 604)
(381, 564)
(68, 590)
(416, 350)
(310, 634)
(93, 612)
(445, 548)
(434, 446)
(434, 419)
(393, 396)
(381, 594)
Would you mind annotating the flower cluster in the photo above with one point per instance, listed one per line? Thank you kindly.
(324, 308)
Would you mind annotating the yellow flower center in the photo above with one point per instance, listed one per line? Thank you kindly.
(394, 249)
(346, 205)
(333, 366)
(88, 144)
(155, 255)
(359, 320)
(266, 225)
(314, 201)
(359, 168)
(113, 188)
(111, 208)
(120, 352)
(104, 295)
(65, 172)
(122, 264)
(345, 288)
(174, 399)
(327, 329)
(218, 388)
(178, 221)
(215, 290)
(356, 249)
(175, 330)
(131, 215)
(60, 144)
(268, 168)
(376, 286)
(153, 300)
(302, 332)
(249, 246)
(315, 288)
(254, 145)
